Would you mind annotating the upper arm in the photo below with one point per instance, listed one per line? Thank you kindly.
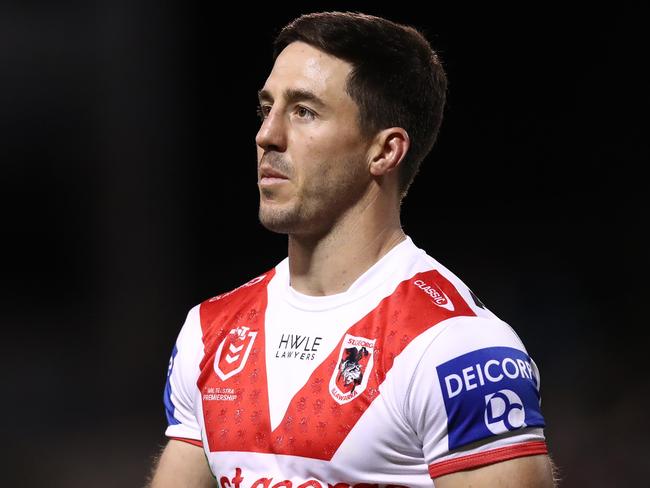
(524, 472)
(182, 465)
(474, 401)
(180, 389)
(183, 462)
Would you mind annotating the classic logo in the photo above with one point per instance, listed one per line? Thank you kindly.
(437, 295)
(233, 352)
(354, 365)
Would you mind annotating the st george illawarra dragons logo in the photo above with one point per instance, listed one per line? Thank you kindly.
(350, 377)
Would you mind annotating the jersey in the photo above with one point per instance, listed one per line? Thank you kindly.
(404, 377)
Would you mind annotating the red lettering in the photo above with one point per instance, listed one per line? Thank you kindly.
(285, 484)
(235, 482)
(312, 483)
(237, 479)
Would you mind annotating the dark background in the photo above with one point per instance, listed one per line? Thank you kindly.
(128, 195)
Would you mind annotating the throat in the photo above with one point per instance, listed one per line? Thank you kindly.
(331, 266)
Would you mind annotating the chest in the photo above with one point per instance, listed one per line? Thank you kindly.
(279, 380)
(290, 382)
(306, 395)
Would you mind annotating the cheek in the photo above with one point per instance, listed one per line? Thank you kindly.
(324, 161)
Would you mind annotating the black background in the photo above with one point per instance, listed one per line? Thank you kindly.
(128, 195)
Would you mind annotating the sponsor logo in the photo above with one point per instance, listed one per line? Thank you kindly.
(233, 352)
(351, 375)
(241, 480)
(504, 411)
(437, 295)
(252, 282)
(295, 346)
(492, 371)
(488, 392)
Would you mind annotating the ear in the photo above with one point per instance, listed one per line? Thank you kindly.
(388, 150)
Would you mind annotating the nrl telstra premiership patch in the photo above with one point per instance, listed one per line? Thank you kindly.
(489, 392)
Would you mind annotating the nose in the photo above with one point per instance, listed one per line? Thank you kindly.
(272, 134)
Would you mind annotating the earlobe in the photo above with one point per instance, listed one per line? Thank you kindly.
(392, 145)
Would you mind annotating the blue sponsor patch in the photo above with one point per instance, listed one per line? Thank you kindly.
(167, 396)
(489, 392)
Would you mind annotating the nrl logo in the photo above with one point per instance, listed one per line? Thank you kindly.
(233, 352)
(350, 377)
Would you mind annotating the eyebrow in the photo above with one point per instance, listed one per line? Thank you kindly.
(293, 95)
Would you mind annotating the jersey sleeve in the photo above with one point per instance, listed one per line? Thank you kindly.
(474, 397)
(180, 388)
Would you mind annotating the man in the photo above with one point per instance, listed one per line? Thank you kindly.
(358, 360)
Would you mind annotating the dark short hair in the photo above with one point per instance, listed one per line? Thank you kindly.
(397, 80)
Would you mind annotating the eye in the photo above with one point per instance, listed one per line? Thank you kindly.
(303, 113)
(263, 111)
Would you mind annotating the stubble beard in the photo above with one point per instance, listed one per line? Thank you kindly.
(313, 213)
(280, 219)
(306, 214)
(317, 207)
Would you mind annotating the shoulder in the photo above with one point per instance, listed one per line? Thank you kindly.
(221, 313)
(426, 278)
(473, 364)
(469, 326)
(251, 288)
(474, 389)
(261, 279)
(464, 350)
(477, 353)
(465, 334)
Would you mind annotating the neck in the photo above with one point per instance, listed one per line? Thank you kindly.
(330, 263)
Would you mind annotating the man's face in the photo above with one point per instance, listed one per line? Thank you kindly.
(311, 155)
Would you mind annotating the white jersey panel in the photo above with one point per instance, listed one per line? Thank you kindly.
(302, 331)
(183, 370)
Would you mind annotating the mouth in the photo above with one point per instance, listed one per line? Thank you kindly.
(269, 176)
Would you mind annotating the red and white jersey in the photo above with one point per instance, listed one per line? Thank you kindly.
(404, 377)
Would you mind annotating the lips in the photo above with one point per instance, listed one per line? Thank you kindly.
(268, 174)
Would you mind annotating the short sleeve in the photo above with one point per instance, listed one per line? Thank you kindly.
(180, 388)
(474, 398)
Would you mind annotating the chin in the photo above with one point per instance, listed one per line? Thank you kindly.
(282, 221)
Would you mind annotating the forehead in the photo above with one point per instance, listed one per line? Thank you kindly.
(303, 67)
